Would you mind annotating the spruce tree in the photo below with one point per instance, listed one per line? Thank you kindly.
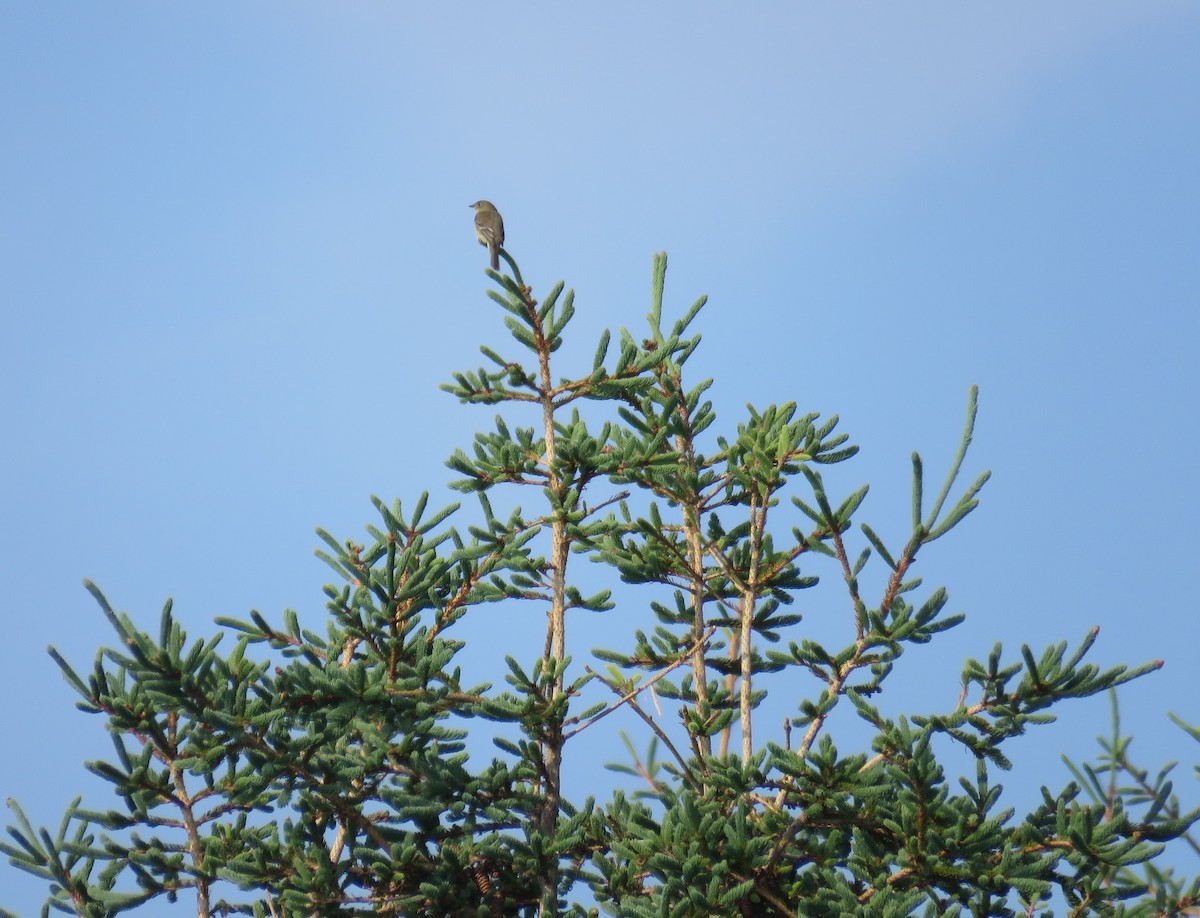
(325, 771)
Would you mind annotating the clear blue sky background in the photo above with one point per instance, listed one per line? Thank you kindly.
(236, 261)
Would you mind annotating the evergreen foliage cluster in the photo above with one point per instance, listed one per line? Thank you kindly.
(310, 774)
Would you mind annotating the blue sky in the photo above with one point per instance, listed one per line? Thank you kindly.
(236, 261)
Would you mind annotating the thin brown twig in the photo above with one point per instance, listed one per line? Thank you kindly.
(640, 687)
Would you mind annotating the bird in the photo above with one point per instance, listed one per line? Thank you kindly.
(489, 229)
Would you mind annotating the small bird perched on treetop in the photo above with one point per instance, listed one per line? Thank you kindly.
(489, 229)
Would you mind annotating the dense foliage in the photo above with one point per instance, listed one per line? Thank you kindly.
(306, 773)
